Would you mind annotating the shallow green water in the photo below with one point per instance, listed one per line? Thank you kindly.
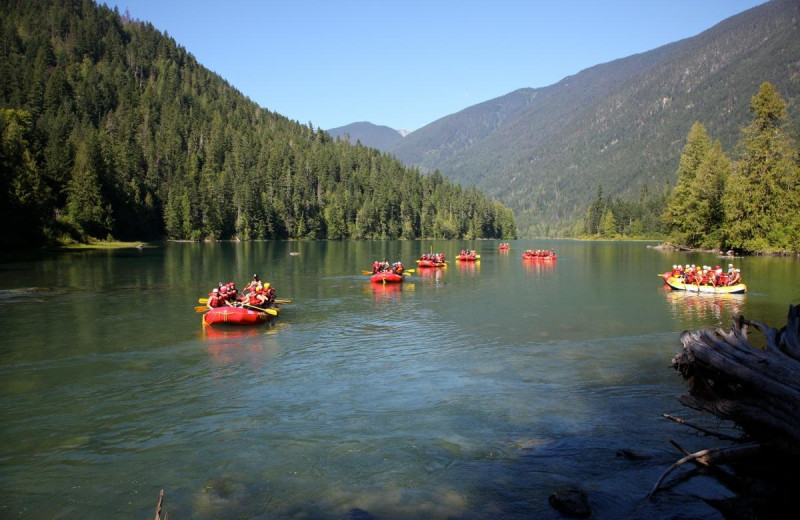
(470, 392)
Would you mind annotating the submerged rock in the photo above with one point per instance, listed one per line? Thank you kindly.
(571, 502)
(634, 454)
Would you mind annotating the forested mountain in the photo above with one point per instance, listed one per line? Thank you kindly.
(368, 134)
(620, 125)
(110, 129)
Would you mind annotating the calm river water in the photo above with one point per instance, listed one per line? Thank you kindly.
(467, 393)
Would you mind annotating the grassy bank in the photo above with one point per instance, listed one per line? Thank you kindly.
(104, 244)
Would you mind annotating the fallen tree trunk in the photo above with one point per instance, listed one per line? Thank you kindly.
(758, 389)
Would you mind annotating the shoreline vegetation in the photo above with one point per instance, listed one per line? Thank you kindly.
(102, 244)
(666, 246)
(662, 246)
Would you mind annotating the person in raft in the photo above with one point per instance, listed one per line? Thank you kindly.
(254, 285)
(215, 300)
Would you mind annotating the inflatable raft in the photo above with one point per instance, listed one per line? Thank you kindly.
(235, 316)
(386, 277)
(678, 285)
(430, 263)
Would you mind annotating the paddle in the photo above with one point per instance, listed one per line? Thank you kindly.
(274, 312)
(278, 302)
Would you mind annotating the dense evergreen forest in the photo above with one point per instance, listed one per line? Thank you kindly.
(622, 218)
(111, 130)
(749, 205)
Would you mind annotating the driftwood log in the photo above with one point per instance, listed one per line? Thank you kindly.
(757, 388)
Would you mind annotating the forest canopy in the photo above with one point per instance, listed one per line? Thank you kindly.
(109, 129)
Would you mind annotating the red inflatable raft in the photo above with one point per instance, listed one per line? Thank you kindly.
(430, 263)
(235, 316)
(386, 277)
(529, 256)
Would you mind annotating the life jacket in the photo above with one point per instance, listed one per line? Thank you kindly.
(216, 301)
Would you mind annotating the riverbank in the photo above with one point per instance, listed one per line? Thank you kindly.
(103, 244)
(666, 246)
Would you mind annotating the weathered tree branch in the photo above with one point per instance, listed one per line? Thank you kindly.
(158, 506)
(713, 433)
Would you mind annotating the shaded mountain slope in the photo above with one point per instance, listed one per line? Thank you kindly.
(621, 124)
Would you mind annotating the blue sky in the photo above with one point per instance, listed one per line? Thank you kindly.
(407, 64)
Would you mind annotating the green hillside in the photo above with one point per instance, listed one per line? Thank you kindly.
(620, 125)
(110, 129)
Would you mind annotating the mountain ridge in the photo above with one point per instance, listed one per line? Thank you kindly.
(620, 124)
(368, 134)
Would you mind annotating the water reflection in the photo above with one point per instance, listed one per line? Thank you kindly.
(435, 275)
(388, 292)
(230, 333)
(539, 265)
(704, 307)
(469, 268)
(231, 344)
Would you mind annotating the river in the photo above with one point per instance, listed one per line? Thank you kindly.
(469, 392)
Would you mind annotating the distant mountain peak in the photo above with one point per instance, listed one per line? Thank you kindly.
(368, 134)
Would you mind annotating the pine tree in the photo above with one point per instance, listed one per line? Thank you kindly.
(86, 205)
(608, 224)
(762, 196)
(595, 213)
(707, 190)
(23, 195)
(680, 216)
